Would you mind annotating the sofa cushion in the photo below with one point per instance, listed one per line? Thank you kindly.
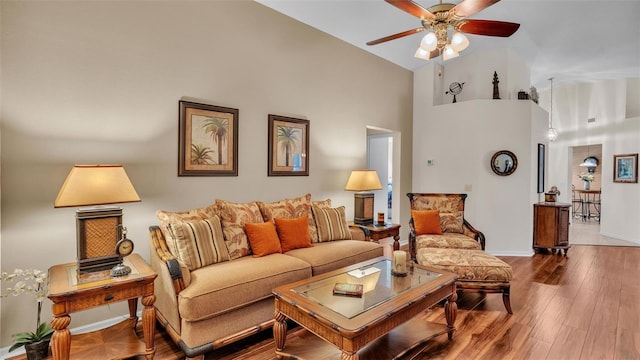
(167, 217)
(449, 240)
(469, 265)
(227, 286)
(289, 209)
(329, 256)
(234, 216)
(263, 238)
(198, 243)
(293, 233)
(331, 223)
(426, 221)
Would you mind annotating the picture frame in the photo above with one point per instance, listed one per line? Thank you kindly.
(625, 168)
(208, 140)
(288, 146)
(541, 166)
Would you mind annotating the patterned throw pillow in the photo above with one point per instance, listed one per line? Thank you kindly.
(332, 223)
(293, 233)
(451, 210)
(198, 243)
(233, 217)
(167, 217)
(426, 222)
(290, 209)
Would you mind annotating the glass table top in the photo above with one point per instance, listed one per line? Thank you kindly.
(378, 286)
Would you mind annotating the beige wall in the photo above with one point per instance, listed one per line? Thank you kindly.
(99, 82)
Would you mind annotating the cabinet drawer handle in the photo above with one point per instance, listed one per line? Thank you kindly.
(108, 297)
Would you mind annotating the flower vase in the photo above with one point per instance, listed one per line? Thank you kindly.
(586, 184)
(38, 350)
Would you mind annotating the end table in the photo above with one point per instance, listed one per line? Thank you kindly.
(376, 232)
(69, 294)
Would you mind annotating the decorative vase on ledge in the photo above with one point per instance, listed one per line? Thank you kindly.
(586, 184)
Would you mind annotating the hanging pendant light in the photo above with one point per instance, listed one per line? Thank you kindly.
(552, 133)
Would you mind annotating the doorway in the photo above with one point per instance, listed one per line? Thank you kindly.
(380, 157)
(586, 187)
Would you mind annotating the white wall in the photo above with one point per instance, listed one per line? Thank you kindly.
(476, 71)
(461, 138)
(99, 82)
(611, 103)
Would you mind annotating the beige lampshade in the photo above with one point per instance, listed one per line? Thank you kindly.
(363, 180)
(96, 185)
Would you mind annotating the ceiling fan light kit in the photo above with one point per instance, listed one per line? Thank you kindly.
(449, 53)
(459, 42)
(443, 19)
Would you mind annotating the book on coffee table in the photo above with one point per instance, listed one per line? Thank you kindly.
(344, 289)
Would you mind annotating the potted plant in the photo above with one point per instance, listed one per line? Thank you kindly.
(33, 282)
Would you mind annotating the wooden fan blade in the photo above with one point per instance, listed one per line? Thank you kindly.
(469, 7)
(489, 27)
(411, 8)
(396, 36)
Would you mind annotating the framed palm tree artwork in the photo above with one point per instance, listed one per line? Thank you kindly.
(288, 148)
(208, 140)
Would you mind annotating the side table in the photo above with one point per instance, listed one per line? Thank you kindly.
(375, 232)
(70, 294)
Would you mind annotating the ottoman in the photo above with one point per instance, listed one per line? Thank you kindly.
(477, 270)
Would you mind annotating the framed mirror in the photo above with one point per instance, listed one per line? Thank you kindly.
(504, 163)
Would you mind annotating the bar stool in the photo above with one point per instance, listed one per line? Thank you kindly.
(596, 205)
(576, 203)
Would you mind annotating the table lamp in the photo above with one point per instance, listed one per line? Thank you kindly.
(362, 182)
(98, 228)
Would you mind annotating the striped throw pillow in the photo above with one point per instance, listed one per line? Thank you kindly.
(331, 223)
(198, 243)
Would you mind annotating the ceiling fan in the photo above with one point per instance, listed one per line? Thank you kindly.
(440, 18)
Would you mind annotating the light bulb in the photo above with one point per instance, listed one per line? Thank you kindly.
(449, 53)
(421, 54)
(552, 134)
(429, 42)
(459, 42)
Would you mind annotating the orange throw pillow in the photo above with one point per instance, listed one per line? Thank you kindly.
(263, 238)
(293, 233)
(426, 221)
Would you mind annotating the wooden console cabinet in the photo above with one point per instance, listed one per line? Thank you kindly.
(551, 226)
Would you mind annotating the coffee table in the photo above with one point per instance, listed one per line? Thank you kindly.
(383, 321)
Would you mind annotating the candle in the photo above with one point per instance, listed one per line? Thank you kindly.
(380, 218)
(399, 262)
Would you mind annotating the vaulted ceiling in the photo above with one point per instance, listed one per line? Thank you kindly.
(570, 40)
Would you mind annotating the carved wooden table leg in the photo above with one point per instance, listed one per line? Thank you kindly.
(279, 330)
(133, 308)
(450, 312)
(347, 356)
(61, 339)
(149, 324)
(396, 242)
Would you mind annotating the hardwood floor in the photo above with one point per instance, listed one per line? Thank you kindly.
(582, 306)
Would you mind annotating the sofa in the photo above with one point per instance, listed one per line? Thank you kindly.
(440, 237)
(217, 265)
